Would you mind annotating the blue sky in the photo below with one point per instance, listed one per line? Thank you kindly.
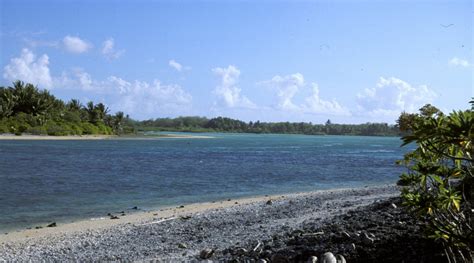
(348, 61)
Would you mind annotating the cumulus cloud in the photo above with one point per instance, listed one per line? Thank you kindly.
(287, 87)
(109, 51)
(141, 99)
(76, 45)
(314, 104)
(391, 96)
(227, 91)
(146, 99)
(458, 62)
(29, 69)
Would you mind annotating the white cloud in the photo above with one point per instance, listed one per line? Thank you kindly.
(289, 86)
(228, 91)
(172, 63)
(108, 49)
(391, 96)
(151, 99)
(458, 62)
(76, 45)
(178, 66)
(314, 104)
(29, 69)
(140, 99)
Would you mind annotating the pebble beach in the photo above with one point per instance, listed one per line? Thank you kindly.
(187, 232)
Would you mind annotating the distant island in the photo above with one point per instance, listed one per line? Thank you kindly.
(25, 109)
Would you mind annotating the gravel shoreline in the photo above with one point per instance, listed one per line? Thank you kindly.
(184, 236)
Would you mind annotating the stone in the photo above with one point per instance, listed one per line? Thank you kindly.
(240, 251)
(340, 259)
(394, 206)
(182, 245)
(367, 240)
(313, 259)
(344, 233)
(114, 217)
(206, 253)
(269, 202)
(328, 257)
(277, 258)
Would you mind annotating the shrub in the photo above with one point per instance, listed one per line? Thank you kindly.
(439, 187)
(38, 130)
(89, 128)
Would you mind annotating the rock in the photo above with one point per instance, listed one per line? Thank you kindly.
(52, 225)
(353, 246)
(185, 217)
(277, 258)
(313, 259)
(344, 233)
(240, 251)
(114, 217)
(340, 259)
(367, 240)
(206, 253)
(269, 202)
(182, 245)
(135, 208)
(262, 260)
(38, 227)
(328, 257)
(236, 203)
(181, 206)
(394, 206)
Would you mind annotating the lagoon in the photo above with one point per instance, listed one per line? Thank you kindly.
(62, 181)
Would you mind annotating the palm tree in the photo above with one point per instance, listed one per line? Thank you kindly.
(118, 120)
(102, 111)
(74, 105)
(91, 112)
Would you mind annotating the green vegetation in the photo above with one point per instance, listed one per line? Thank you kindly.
(26, 109)
(221, 124)
(439, 184)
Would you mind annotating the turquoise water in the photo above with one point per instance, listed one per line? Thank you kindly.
(44, 181)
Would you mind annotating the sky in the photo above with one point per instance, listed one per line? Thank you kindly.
(347, 61)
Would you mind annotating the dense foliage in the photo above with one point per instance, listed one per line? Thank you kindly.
(439, 184)
(26, 109)
(220, 124)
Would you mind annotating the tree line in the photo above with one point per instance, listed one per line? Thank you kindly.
(26, 109)
(222, 124)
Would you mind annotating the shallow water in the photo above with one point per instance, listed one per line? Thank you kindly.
(45, 181)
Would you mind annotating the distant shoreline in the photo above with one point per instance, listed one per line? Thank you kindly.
(97, 137)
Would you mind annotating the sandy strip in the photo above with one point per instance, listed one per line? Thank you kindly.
(56, 138)
(100, 137)
(137, 218)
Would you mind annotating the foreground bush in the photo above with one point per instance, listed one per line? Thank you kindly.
(439, 184)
